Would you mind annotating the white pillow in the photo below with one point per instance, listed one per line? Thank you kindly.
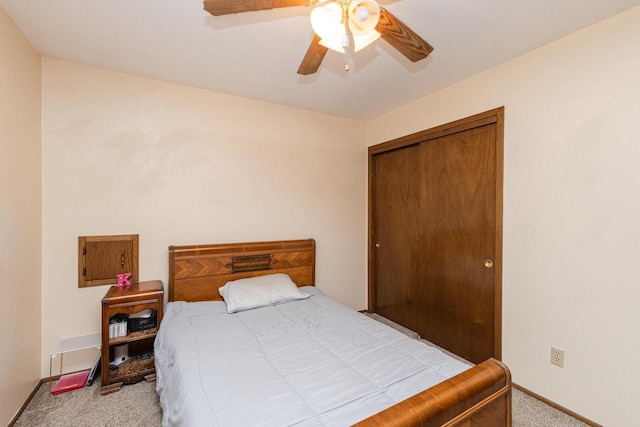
(254, 292)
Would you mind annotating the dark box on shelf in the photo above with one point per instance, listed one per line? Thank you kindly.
(146, 319)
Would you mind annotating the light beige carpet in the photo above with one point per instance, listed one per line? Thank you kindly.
(134, 405)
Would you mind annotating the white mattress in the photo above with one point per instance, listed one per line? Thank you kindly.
(313, 362)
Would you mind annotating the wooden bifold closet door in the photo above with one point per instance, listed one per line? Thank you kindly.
(436, 234)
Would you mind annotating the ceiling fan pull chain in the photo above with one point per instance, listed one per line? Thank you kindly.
(345, 40)
(346, 52)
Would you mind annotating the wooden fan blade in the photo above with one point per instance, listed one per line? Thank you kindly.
(226, 7)
(313, 58)
(402, 38)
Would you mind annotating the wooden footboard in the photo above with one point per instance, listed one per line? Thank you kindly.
(479, 397)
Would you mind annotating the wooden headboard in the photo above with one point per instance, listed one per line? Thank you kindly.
(196, 272)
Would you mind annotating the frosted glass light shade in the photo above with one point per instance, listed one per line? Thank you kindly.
(360, 42)
(335, 43)
(325, 20)
(363, 16)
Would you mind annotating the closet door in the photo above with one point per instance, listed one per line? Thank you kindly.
(396, 212)
(457, 289)
(435, 234)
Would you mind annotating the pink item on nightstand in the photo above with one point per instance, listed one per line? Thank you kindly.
(123, 280)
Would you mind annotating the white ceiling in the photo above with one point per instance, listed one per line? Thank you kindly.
(256, 54)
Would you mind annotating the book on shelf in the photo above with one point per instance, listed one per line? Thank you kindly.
(94, 371)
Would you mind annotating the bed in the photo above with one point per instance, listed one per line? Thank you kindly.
(307, 360)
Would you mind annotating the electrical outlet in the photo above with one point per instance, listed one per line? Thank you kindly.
(557, 357)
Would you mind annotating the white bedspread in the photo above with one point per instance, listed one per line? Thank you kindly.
(313, 362)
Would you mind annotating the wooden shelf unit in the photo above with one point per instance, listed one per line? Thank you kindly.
(140, 365)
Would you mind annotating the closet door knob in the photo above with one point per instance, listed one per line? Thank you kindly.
(488, 263)
(377, 244)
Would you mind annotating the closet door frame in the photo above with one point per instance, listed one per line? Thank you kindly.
(495, 116)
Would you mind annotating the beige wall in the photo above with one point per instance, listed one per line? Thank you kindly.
(178, 165)
(20, 218)
(571, 209)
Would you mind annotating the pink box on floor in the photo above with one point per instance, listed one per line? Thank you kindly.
(70, 382)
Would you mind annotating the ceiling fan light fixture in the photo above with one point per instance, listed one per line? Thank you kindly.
(328, 22)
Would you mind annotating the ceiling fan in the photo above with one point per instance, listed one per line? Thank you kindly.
(337, 23)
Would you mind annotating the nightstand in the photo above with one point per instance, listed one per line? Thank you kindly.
(139, 363)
